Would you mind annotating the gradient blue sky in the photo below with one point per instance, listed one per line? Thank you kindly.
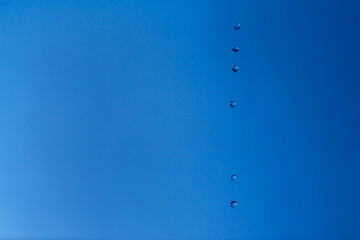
(115, 119)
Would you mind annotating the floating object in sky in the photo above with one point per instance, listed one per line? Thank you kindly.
(235, 68)
(237, 26)
(233, 204)
(233, 177)
(232, 104)
(235, 49)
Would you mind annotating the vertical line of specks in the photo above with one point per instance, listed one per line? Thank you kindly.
(235, 68)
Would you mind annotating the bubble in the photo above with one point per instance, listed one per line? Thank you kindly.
(233, 177)
(235, 49)
(233, 204)
(232, 104)
(237, 26)
(235, 68)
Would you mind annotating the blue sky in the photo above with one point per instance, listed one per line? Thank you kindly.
(115, 119)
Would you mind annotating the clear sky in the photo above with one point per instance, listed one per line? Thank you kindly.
(115, 119)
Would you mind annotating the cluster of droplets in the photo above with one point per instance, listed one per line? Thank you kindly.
(235, 68)
(233, 204)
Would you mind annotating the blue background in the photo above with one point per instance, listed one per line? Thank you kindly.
(115, 119)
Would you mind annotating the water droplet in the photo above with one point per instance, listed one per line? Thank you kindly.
(235, 49)
(233, 204)
(232, 104)
(233, 177)
(235, 68)
(237, 26)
